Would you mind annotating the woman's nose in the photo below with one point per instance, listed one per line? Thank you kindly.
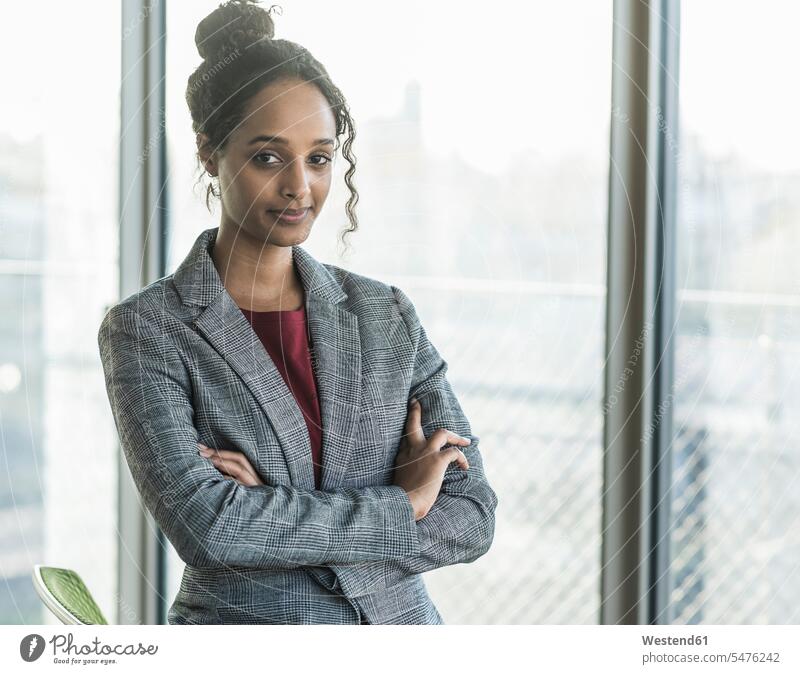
(294, 181)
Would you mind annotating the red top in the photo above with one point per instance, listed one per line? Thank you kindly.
(284, 335)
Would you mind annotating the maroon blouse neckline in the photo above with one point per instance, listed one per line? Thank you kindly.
(290, 314)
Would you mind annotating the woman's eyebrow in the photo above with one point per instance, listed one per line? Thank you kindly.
(284, 141)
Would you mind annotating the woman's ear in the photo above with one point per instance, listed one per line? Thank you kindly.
(206, 156)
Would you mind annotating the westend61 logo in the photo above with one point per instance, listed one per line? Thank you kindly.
(32, 646)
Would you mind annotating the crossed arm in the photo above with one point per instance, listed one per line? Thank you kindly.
(366, 535)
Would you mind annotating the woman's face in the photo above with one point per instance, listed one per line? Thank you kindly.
(278, 159)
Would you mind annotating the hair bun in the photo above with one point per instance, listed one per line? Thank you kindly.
(232, 25)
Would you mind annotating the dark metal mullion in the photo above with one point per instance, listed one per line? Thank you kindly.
(141, 546)
(664, 332)
(157, 188)
(621, 544)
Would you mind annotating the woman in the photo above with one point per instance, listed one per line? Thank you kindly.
(316, 495)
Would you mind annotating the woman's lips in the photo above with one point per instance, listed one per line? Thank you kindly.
(290, 216)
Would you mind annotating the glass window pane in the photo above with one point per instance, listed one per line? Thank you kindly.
(482, 146)
(735, 507)
(59, 136)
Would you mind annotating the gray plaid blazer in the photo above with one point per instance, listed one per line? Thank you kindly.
(182, 365)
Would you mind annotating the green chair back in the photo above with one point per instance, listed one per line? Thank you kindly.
(66, 595)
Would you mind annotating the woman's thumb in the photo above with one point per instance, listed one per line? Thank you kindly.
(414, 421)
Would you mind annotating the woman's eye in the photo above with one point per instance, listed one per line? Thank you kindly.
(270, 163)
(264, 154)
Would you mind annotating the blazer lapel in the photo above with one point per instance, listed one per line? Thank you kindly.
(336, 351)
(336, 356)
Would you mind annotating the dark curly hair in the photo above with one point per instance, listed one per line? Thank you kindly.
(236, 42)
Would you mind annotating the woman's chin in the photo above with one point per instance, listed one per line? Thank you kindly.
(283, 235)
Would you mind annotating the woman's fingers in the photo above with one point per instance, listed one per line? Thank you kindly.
(442, 437)
(414, 428)
(232, 463)
(454, 454)
(238, 472)
(460, 457)
(235, 471)
(229, 467)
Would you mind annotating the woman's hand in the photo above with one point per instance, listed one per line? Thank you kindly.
(233, 465)
(420, 464)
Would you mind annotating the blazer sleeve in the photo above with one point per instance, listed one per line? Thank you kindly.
(459, 527)
(213, 521)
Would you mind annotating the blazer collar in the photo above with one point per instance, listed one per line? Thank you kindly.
(199, 283)
(336, 356)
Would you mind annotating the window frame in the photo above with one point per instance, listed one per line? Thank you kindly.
(143, 232)
(640, 310)
(640, 300)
